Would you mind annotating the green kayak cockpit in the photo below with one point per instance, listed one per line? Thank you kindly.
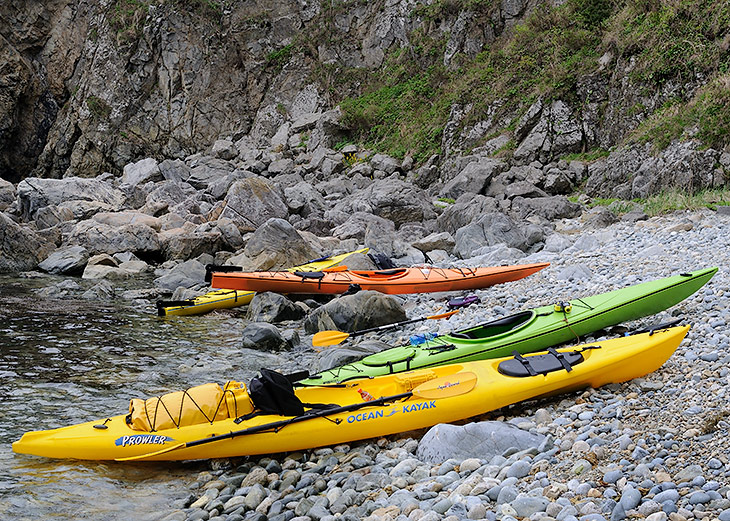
(495, 328)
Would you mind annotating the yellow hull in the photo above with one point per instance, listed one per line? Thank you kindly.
(450, 393)
(227, 298)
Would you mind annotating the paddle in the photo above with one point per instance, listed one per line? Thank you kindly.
(331, 338)
(436, 388)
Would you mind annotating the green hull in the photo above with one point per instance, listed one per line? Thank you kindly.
(526, 331)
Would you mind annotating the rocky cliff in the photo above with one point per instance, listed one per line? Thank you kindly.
(89, 87)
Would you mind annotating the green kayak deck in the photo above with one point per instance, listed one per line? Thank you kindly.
(527, 331)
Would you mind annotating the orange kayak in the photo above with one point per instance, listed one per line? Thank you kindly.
(395, 281)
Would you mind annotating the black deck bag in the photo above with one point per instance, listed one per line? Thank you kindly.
(273, 393)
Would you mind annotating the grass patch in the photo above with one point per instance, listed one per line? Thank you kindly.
(588, 157)
(704, 117)
(665, 202)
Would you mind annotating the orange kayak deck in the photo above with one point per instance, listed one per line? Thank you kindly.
(395, 281)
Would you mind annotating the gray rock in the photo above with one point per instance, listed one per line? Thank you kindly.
(97, 237)
(474, 178)
(350, 313)
(275, 245)
(34, 193)
(251, 202)
(69, 260)
(483, 440)
(272, 308)
(141, 172)
(187, 274)
(263, 337)
(21, 248)
(488, 230)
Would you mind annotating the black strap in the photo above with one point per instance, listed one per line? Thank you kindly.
(561, 358)
(525, 362)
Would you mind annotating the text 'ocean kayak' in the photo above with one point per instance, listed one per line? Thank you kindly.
(402, 402)
(395, 282)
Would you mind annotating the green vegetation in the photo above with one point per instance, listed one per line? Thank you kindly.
(447, 200)
(280, 57)
(98, 107)
(405, 106)
(404, 109)
(706, 117)
(665, 202)
(589, 156)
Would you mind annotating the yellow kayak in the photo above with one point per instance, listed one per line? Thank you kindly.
(228, 298)
(364, 408)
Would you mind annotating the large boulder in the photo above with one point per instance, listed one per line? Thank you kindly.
(251, 202)
(550, 208)
(273, 308)
(466, 209)
(69, 260)
(362, 310)
(7, 194)
(275, 245)
(188, 274)
(142, 171)
(21, 249)
(186, 243)
(98, 237)
(391, 199)
(34, 193)
(488, 230)
(474, 178)
(482, 440)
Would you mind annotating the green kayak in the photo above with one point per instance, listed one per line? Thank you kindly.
(527, 331)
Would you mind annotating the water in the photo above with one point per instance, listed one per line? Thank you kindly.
(68, 361)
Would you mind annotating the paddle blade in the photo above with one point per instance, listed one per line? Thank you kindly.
(329, 338)
(443, 315)
(335, 269)
(152, 454)
(446, 386)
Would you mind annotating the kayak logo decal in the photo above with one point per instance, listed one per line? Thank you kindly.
(142, 439)
(373, 415)
(419, 406)
(446, 385)
(364, 416)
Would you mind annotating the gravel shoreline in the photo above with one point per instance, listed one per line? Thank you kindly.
(654, 448)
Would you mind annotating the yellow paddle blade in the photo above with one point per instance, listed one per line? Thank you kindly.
(152, 454)
(445, 386)
(328, 338)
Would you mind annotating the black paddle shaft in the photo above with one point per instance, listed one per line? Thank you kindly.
(297, 419)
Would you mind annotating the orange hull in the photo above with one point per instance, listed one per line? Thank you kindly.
(395, 282)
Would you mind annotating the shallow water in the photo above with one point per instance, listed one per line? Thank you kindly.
(68, 361)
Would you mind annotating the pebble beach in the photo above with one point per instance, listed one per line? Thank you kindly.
(653, 448)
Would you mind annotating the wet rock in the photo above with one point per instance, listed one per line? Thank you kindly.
(21, 248)
(69, 260)
(263, 337)
(272, 308)
(188, 274)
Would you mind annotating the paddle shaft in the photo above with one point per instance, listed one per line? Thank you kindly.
(399, 324)
(296, 419)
